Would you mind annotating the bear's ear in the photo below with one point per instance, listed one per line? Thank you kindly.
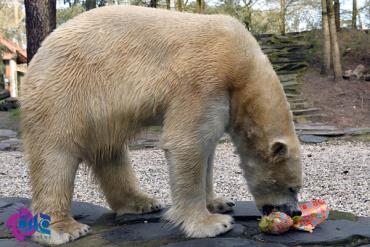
(278, 151)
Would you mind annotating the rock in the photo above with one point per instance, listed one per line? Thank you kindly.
(357, 131)
(5, 133)
(143, 232)
(242, 211)
(137, 218)
(16, 243)
(367, 77)
(342, 229)
(347, 74)
(245, 211)
(331, 232)
(4, 94)
(86, 213)
(10, 144)
(312, 138)
(212, 242)
(359, 71)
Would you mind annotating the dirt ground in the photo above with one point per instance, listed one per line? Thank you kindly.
(343, 104)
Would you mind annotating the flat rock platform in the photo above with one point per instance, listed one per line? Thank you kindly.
(149, 230)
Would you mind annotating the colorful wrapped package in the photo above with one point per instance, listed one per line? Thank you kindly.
(313, 213)
(275, 223)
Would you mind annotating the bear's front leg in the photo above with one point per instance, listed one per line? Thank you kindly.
(188, 142)
(215, 204)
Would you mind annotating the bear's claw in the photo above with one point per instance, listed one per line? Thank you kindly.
(220, 205)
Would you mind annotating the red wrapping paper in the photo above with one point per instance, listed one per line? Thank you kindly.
(314, 213)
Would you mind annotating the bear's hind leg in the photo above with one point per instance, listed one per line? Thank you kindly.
(121, 189)
(52, 180)
(215, 204)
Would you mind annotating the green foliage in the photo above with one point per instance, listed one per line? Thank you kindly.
(353, 44)
(12, 21)
(314, 55)
(355, 47)
(15, 113)
(63, 15)
(265, 21)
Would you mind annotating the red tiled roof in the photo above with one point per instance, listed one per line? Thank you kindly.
(13, 50)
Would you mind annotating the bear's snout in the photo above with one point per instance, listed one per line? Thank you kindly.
(288, 209)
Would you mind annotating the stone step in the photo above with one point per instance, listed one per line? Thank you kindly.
(315, 127)
(305, 111)
(292, 95)
(301, 105)
(332, 133)
(288, 68)
(297, 100)
(288, 77)
(290, 83)
(308, 118)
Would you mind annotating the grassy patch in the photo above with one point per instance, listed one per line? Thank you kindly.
(363, 138)
(15, 113)
(338, 215)
(156, 129)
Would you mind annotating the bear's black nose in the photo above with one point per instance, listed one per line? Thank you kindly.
(267, 209)
(296, 213)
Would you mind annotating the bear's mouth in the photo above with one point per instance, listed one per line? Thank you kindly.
(289, 210)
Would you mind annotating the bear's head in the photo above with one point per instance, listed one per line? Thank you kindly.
(263, 132)
(273, 174)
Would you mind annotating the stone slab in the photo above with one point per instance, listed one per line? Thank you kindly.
(143, 232)
(312, 138)
(242, 211)
(86, 213)
(357, 131)
(150, 230)
(7, 133)
(328, 133)
(214, 242)
(16, 243)
(10, 144)
(246, 210)
(332, 231)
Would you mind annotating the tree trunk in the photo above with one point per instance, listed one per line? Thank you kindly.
(199, 6)
(354, 14)
(168, 3)
(153, 4)
(335, 54)
(282, 16)
(90, 4)
(337, 14)
(173, 5)
(40, 21)
(325, 68)
(180, 5)
(359, 21)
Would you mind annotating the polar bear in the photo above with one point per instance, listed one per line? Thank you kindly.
(111, 72)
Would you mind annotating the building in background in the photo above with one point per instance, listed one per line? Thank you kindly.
(14, 59)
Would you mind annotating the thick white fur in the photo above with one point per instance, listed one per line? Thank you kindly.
(105, 75)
